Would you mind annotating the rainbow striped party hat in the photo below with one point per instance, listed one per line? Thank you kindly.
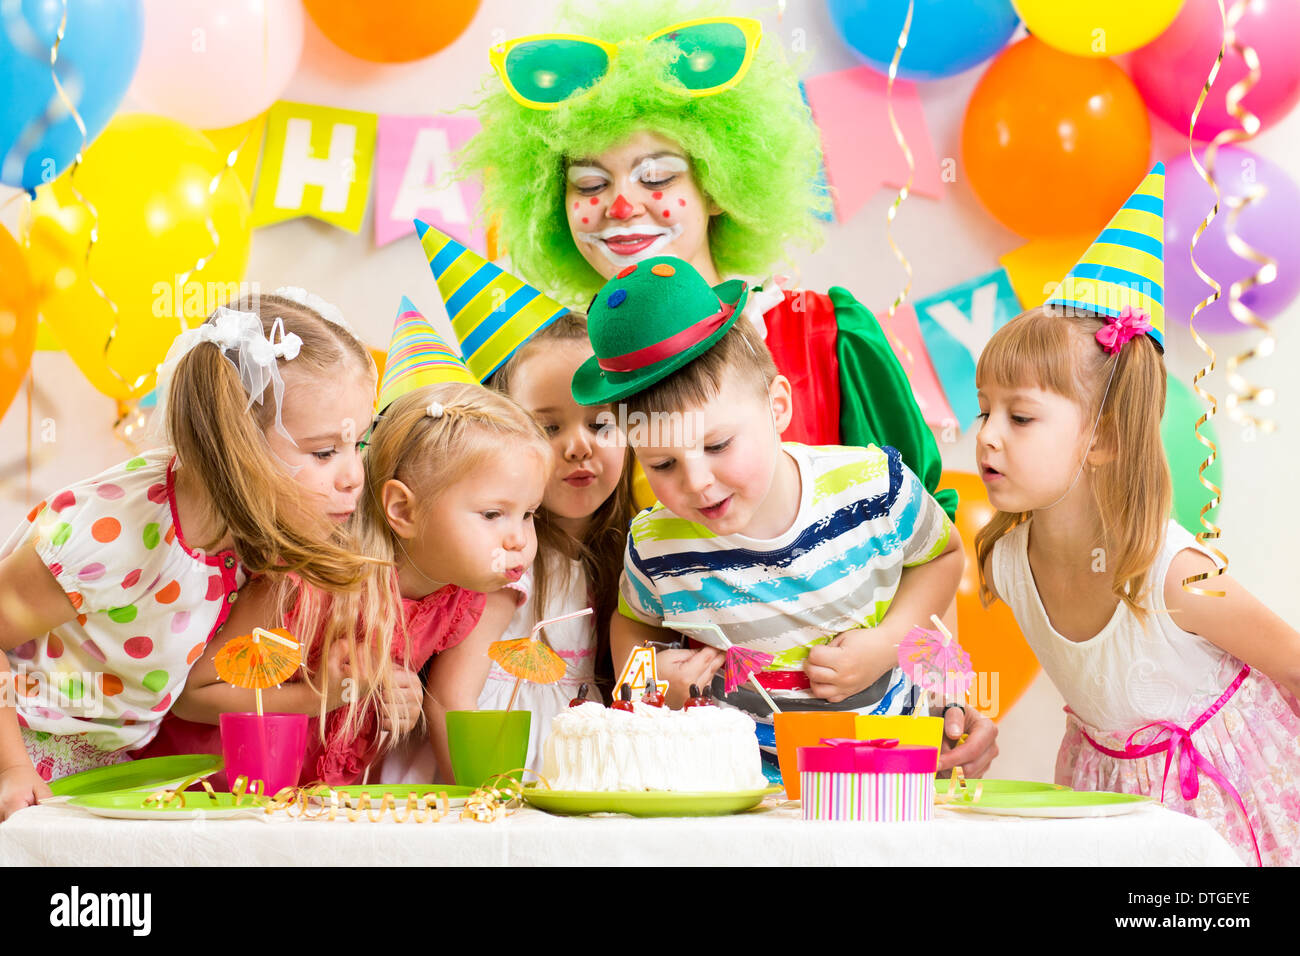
(418, 356)
(1125, 265)
(491, 311)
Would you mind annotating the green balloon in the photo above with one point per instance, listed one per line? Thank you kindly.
(1185, 454)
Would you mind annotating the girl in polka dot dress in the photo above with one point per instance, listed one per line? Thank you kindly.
(113, 586)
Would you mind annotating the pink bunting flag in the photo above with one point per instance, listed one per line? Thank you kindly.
(905, 338)
(413, 179)
(860, 150)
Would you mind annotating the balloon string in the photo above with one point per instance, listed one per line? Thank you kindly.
(94, 214)
(903, 193)
(1211, 531)
(1243, 391)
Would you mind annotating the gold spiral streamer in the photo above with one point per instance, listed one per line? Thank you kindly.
(94, 214)
(903, 193)
(1212, 531)
(1243, 391)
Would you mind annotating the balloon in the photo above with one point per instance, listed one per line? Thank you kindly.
(1185, 454)
(1267, 224)
(990, 635)
(216, 65)
(98, 54)
(946, 36)
(1054, 144)
(1171, 71)
(1097, 27)
(395, 31)
(17, 319)
(148, 178)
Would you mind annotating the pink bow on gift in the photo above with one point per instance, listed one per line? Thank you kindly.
(1120, 328)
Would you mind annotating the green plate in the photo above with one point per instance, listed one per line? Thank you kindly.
(1063, 803)
(131, 806)
(153, 773)
(456, 796)
(1003, 786)
(646, 803)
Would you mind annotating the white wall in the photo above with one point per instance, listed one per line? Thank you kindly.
(947, 241)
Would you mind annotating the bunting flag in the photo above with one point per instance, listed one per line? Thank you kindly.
(245, 140)
(1035, 269)
(851, 109)
(317, 162)
(909, 348)
(418, 356)
(491, 311)
(414, 179)
(956, 325)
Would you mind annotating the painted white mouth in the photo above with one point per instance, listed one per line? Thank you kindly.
(664, 236)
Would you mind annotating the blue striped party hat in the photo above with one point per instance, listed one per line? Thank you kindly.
(491, 311)
(1125, 265)
(418, 356)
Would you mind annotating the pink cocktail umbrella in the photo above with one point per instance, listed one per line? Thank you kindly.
(741, 662)
(935, 661)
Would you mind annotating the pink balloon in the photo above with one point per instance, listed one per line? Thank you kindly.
(1171, 70)
(216, 63)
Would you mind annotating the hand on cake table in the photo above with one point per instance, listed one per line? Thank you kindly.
(20, 786)
(976, 752)
(682, 668)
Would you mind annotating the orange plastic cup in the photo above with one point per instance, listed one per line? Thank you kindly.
(805, 728)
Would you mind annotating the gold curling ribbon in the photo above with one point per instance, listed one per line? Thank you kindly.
(903, 193)
(1243, 391)
(959, 791)
(1212, 531)
(501, 796)
(94, 214)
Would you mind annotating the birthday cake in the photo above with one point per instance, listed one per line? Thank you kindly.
(592, 748)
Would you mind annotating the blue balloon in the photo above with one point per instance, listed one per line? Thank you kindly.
(39, 138)
(946, 36)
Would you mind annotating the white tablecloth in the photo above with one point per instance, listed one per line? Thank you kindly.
(770, 836)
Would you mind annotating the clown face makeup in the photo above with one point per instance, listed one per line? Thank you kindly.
(637, 200)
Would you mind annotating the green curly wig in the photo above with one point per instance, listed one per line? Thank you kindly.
(755, 149)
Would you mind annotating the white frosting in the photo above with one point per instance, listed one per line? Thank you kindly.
(592, 748)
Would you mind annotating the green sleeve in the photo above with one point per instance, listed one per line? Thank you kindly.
(876, 402)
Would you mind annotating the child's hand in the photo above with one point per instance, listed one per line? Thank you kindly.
(851, 662)
(340, 686)
(683, 668)
(404, 706)
(20, 786)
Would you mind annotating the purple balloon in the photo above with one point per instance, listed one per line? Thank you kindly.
(1267, 224)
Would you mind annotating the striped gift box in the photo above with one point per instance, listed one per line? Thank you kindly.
(867, 780)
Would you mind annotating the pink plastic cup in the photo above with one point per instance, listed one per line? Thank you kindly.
(269, 748)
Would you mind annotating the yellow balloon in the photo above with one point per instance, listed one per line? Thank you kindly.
(1097, 27)
(148, 180)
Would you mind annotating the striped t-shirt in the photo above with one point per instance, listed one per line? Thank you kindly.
(863, 517)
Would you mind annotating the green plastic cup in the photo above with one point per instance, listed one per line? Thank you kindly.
(486, 743)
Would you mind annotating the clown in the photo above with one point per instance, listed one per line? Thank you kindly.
(666, 129)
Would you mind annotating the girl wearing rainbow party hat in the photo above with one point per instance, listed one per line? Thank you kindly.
(1187, 697)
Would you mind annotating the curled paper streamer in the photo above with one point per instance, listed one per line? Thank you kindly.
(902, 193)
(499, 797)
(958, 790)
(1212, 531)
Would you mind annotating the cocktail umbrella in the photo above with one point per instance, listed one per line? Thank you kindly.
(531, 658)
(259, 660)
(741, 662)
(935, 661)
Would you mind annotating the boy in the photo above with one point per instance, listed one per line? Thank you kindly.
(794, 550)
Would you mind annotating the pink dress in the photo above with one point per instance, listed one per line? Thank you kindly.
(1159, 711)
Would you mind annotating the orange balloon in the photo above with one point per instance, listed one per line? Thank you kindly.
(1053, 144)
(392, 31)
(17, 318)
(381, 359)
(1003, 661)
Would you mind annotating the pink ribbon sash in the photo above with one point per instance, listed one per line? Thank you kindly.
(1170, 739)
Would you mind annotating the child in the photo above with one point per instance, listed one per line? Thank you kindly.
(796, 551)
(1084, 551)
(125, 577)
(581, 530)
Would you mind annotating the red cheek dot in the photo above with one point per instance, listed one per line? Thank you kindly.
(584, 220)
(666, 213)
(658, 195)
(595, 200)
(576, 205)
(681, 202)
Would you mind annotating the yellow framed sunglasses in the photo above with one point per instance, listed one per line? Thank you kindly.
(546, 69)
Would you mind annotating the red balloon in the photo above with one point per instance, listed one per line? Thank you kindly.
(1054, 144)
(1004, 664)
(392, 31)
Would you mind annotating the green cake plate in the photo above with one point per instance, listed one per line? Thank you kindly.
(646, 803)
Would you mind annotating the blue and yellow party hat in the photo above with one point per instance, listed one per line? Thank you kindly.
(1125, 265)
(492, 312)
(418, 356)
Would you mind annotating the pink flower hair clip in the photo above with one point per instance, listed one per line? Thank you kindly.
(1118, 329)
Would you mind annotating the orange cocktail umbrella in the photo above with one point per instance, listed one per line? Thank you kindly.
(531, 658)
(259, 660)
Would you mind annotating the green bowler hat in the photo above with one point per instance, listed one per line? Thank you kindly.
(649, 321)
